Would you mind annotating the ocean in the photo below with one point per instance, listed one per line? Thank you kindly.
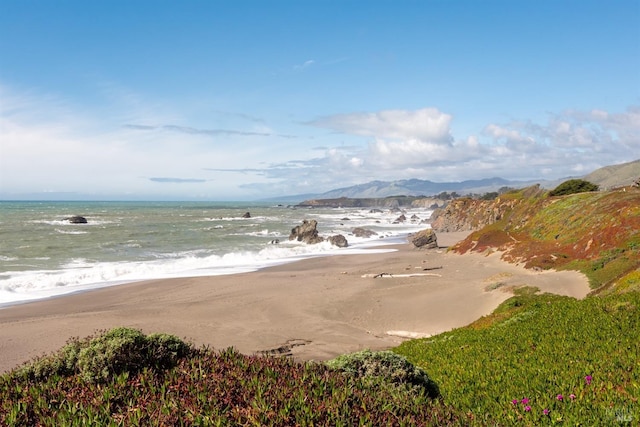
(43, 255)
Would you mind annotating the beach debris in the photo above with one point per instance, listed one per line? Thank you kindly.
(363, 232)
(76, 219)
(408, 334)
(275, 242)
(425, 239)
(392, 276)
(286, 348)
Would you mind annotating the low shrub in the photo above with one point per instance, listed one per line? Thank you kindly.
(573, 186)
(100, 358)
(223, 388)
(386, 366)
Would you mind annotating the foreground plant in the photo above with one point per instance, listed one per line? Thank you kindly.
(78, 386)
(542, 359)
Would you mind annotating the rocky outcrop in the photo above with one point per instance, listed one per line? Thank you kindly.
(400, 219)
(76, 219)
(425, 239)
(307, 232)
(339, 240)
(468, 214)
(247, 215)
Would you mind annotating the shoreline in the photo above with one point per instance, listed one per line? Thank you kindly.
(311, 309)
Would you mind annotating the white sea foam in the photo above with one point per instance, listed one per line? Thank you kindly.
(80, 274)
(155, 242)
(70, 231)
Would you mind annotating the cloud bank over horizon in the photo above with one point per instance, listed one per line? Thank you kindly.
(221, 101)
(62, 151)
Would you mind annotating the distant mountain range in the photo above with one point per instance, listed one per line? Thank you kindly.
(606, 177)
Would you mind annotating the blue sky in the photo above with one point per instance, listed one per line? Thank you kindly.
(241, 100)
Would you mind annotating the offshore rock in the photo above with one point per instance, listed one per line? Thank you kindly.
(76, 219)
(400, 219)
(306, 232)
(425, 239)
(339, 240)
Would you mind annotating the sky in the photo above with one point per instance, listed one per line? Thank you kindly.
(253, 99)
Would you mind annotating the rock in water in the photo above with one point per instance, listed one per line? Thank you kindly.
(400, 219)
(307, 232)
(76, 219)
(425, 239)
(339, 240)
(363, 232)
(247, 215)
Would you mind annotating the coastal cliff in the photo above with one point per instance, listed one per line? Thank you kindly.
(594, 232)
(385, 202)
(467, 214)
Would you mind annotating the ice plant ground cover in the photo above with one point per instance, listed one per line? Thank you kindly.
(205, 388)
(541, 360)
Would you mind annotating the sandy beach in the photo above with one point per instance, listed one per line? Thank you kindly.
(313, 309)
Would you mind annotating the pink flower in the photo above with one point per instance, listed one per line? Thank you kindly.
(572, 396)
(525, 401)
(514, 402)
(545, 411)
(588, 379)
(560, 397)
(527, 408)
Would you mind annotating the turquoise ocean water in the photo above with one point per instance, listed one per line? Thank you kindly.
(44, 255)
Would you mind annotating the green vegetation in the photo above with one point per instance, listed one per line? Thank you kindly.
(207, 388)
(387, 367)
(573, 186)
(97, 359)
(536, 360)
(541, 360)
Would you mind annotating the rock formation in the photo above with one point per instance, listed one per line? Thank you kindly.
(76, 219)
(306, 232)
(400, 219)
(425, 239)
(339, 240)
(466, 214)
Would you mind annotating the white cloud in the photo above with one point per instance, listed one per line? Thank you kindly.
(410, 144)
(426, 125)
(304, 65)
(48, 144)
